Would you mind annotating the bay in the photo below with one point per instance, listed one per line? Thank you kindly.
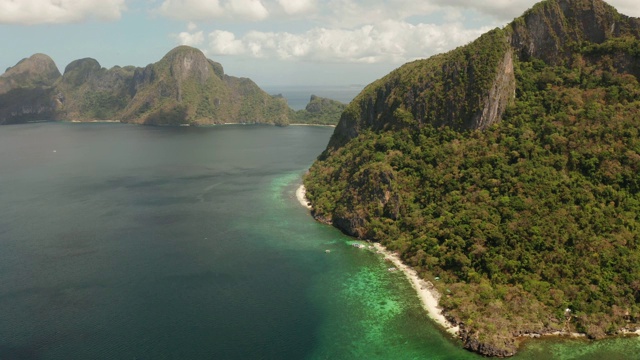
(132, 242)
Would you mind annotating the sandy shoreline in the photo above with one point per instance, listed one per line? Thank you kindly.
(428, 294)
(323, 125)
(426, 291)
(94, 121)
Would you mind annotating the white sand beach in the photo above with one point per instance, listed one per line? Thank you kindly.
(428, 294)
(302, 198)
(425, 289)
(323, 125)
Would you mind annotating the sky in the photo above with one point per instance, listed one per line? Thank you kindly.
(273, 42)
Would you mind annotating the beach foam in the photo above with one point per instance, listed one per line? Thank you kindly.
(427, 293)
(302, 198)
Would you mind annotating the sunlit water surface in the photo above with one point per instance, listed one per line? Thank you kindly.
(130, 242)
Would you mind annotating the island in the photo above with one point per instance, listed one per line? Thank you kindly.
(183, 88)
(505, 174)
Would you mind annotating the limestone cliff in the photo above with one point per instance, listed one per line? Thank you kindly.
(26, 90)
(466, 88)
(87, 91)
(508, 170)
(552, 30)
(184, 87)
(470, 87)
(320, 110)
(36, 71)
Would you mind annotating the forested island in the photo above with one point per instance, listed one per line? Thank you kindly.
(507, 173)
(183, 88)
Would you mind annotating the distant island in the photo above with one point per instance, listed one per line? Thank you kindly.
(183, 88)
(506, 173)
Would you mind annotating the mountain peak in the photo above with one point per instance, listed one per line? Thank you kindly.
(471, 86)
(447, 159)
(79, 71)
(550, 29)
(36, 70)
(86, 64)
(184, 62)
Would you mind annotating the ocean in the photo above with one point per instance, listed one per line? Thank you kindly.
(134, 242)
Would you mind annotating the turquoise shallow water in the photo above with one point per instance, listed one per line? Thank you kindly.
(128, 242)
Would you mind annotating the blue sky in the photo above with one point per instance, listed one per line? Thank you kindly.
(273, 42)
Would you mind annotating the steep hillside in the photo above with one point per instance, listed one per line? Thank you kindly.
(184, 87)
(321, 111)
(36, 71)
(87, 91)
(509, 170)
(467, 88)
(26, 90)
(195, 90)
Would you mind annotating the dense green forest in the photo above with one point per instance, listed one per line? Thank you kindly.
(534, 215)
(319, 111)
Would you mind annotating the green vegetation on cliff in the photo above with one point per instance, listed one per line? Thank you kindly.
(36, 71)
(88, 91)
(452, 88)
(184, 87)
(522, 219)
(195, 90)
(320, 111)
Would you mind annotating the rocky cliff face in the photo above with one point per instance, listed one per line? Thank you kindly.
(184, 87)
(502, 90)
(188, 63)
(36, 71)
(470, 87)
(22, 104)
(467, 88)
(551, 30)
(403, 169)
(26, 90)
(82, 71)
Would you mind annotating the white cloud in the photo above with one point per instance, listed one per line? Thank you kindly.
(349, 13)
(191, 39)
(247, 9)
(389, 41)
(627, 7)
(191, 10)
(225, 42)
(31, 12)
(506, 10)
(375, 31)
(197, 10)
(294, 7)
(352, 13)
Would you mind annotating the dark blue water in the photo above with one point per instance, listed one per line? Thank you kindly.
(124, 241)
(130, 242)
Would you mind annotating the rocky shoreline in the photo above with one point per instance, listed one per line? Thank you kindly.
(429, 297)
